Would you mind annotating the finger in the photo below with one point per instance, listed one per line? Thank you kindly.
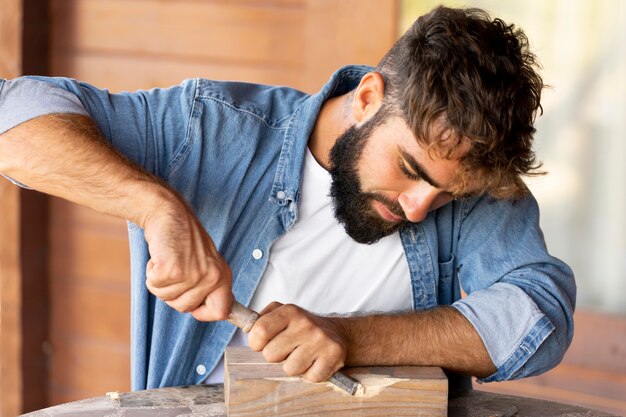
(298, 362)
(270, 307)
(220, 301)
(164, 274)
(188, 300)
(149, 269)
(170, 293)
(206, 311)
(266, 328)
(281, 346)
(321, 370)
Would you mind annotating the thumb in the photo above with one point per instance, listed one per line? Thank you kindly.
(216, 306)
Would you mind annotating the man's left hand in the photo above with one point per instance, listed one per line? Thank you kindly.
(312, 346)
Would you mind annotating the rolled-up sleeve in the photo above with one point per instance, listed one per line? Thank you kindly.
(18, 106)
(149, 127)
(520, 299)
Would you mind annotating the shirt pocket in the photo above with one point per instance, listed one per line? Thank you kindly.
(447, 274)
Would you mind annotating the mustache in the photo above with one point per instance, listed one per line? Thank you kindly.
(392, 206)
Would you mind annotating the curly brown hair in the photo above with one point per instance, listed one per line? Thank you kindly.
(478, 76)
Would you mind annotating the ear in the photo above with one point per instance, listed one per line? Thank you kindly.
(368, 96)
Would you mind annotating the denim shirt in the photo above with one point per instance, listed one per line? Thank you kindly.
(235, 152)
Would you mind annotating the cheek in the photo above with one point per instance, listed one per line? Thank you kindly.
(379, 172)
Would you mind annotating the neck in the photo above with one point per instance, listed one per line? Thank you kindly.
(333, 120)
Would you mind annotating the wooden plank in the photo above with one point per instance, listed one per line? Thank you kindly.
(346, 32)
(75, 309)
(11, 390)
(82, 256)
(120, 72)
(23, 292)
(253, 387)
(219, 31)
(11, 387)
(83, 368)
(34, 293)
(11, 35)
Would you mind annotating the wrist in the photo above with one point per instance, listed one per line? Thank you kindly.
(348, 332)
(156, 201)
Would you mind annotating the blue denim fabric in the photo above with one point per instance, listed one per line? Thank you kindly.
(235, 152)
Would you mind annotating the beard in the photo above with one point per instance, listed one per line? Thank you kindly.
(353, 207)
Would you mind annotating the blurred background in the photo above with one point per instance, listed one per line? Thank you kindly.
(64, 298)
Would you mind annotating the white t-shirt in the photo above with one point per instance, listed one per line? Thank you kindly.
(317, 266)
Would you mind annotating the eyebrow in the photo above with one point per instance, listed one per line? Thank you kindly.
(417, 168)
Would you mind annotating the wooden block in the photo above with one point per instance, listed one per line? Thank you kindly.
(253, 387)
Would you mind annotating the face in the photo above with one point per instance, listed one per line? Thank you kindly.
(382, 178)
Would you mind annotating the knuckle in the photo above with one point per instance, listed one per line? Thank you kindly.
(273, 305)
(315, 375)
(212, 273)
(176, 274)
(261, 330)
(271, 356)
(292, 369)
(291, 309)
(315, 333)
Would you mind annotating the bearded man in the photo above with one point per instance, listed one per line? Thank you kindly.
(386, 213)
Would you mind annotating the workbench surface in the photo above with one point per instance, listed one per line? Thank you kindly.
(208, 401)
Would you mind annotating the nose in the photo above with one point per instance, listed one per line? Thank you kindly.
(417, 202)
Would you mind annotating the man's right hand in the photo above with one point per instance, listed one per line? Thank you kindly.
(66, 156)
(186, 270)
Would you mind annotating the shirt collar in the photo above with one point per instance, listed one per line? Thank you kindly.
(287, 182)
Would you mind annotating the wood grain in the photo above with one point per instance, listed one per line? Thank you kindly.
(82, 366)
(253, 387)
(10, 302)
(11, 388)
(208, 30)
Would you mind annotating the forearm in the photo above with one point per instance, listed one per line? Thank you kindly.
(65, 156)
(437, 337)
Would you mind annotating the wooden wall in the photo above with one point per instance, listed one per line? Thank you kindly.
(23, 231)
(132, 44)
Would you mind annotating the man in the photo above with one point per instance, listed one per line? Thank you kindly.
(380, 196)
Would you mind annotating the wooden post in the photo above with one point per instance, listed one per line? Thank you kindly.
(23, 234)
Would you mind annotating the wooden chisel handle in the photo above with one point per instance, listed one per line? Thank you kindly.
(244, 318)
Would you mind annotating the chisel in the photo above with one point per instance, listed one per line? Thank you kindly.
(244, 318)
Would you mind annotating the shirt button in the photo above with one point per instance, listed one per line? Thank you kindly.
(201, 369)
(257, 254)
(281, 195)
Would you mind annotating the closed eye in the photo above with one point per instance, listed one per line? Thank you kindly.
(410, 174)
